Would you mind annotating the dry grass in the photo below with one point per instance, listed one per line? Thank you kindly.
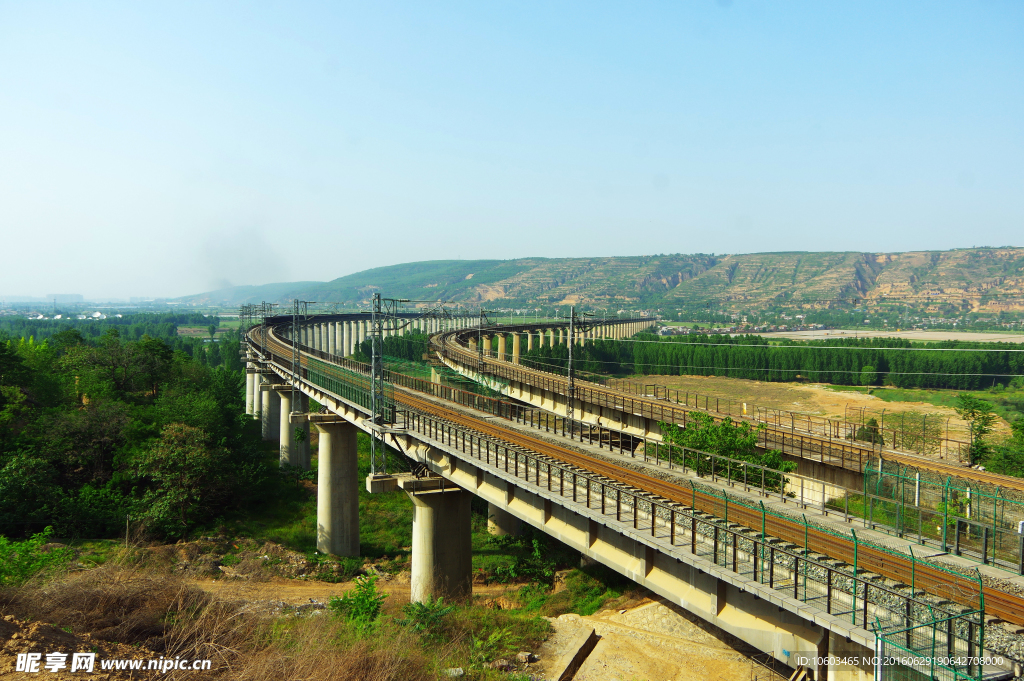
(315, 649)
(114, 602)
(164, 615)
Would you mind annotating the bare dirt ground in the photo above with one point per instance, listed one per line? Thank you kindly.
(809, 398)
(36, 637)
(296, 593)
(654, 640)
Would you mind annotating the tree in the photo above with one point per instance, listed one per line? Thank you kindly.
(869, 433)
(980, 422)
(1008, 458)
(725, 438)
(212, 328)
(189, 478)
(868, 375)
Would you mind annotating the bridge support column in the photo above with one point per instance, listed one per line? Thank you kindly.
(257, 396)
(441, 545)
(500, 522)
(560, 336)
(271, 415)
(487, 346)
(285, 438)
(501, 347)
(250, 387)
(472, 344)
(337, 502)
(332, 339)
(517, 347)
(345, 329)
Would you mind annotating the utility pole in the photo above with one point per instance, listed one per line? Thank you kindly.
(300, 309)
(378, 404)
(384, 317)
(574, 322)
(571, 397)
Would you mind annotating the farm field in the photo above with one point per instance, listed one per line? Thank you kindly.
(202, 331)
(825, 400)
(914, 335)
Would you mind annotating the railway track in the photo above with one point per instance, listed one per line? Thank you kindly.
(1003, 605)
(850, 455)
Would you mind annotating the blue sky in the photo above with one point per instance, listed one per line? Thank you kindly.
(167, 148)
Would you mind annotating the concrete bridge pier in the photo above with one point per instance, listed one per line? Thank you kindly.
(337, 502)
(442, 556)
(472, 344)
(271, 415)
(250, 386)
(257, 381)
(517, 345)
(284, 432)
(500, 522)
(487, 346)
(501, 347)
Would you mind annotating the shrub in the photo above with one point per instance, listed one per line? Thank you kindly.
(427, 618)
(362, 606)
(22, 560)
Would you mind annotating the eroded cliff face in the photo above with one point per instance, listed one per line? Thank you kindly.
(982, 279)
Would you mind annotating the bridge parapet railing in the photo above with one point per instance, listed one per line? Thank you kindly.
(847, 453)
(723, 530)
(920, 436)
(971, 521)
(875, 504)
(923, 438)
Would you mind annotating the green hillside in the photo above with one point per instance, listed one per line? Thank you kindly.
(982, 279)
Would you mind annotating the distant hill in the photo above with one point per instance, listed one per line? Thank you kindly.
(989, 279)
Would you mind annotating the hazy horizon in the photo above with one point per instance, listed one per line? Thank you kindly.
(168, 149)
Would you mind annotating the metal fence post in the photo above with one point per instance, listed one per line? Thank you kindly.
(764, 540)
(945, 514)
(853, 603)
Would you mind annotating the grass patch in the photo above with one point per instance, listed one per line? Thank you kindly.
(100, 551)
(1008, 403)
(586, 591)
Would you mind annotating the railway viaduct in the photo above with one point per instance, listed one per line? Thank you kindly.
(756, 583)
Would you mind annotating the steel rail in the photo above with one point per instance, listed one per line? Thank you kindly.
(1003, 605)
(447, 345)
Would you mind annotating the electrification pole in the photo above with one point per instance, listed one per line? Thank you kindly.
(574, 324)
(378, 405)
(384, 317)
